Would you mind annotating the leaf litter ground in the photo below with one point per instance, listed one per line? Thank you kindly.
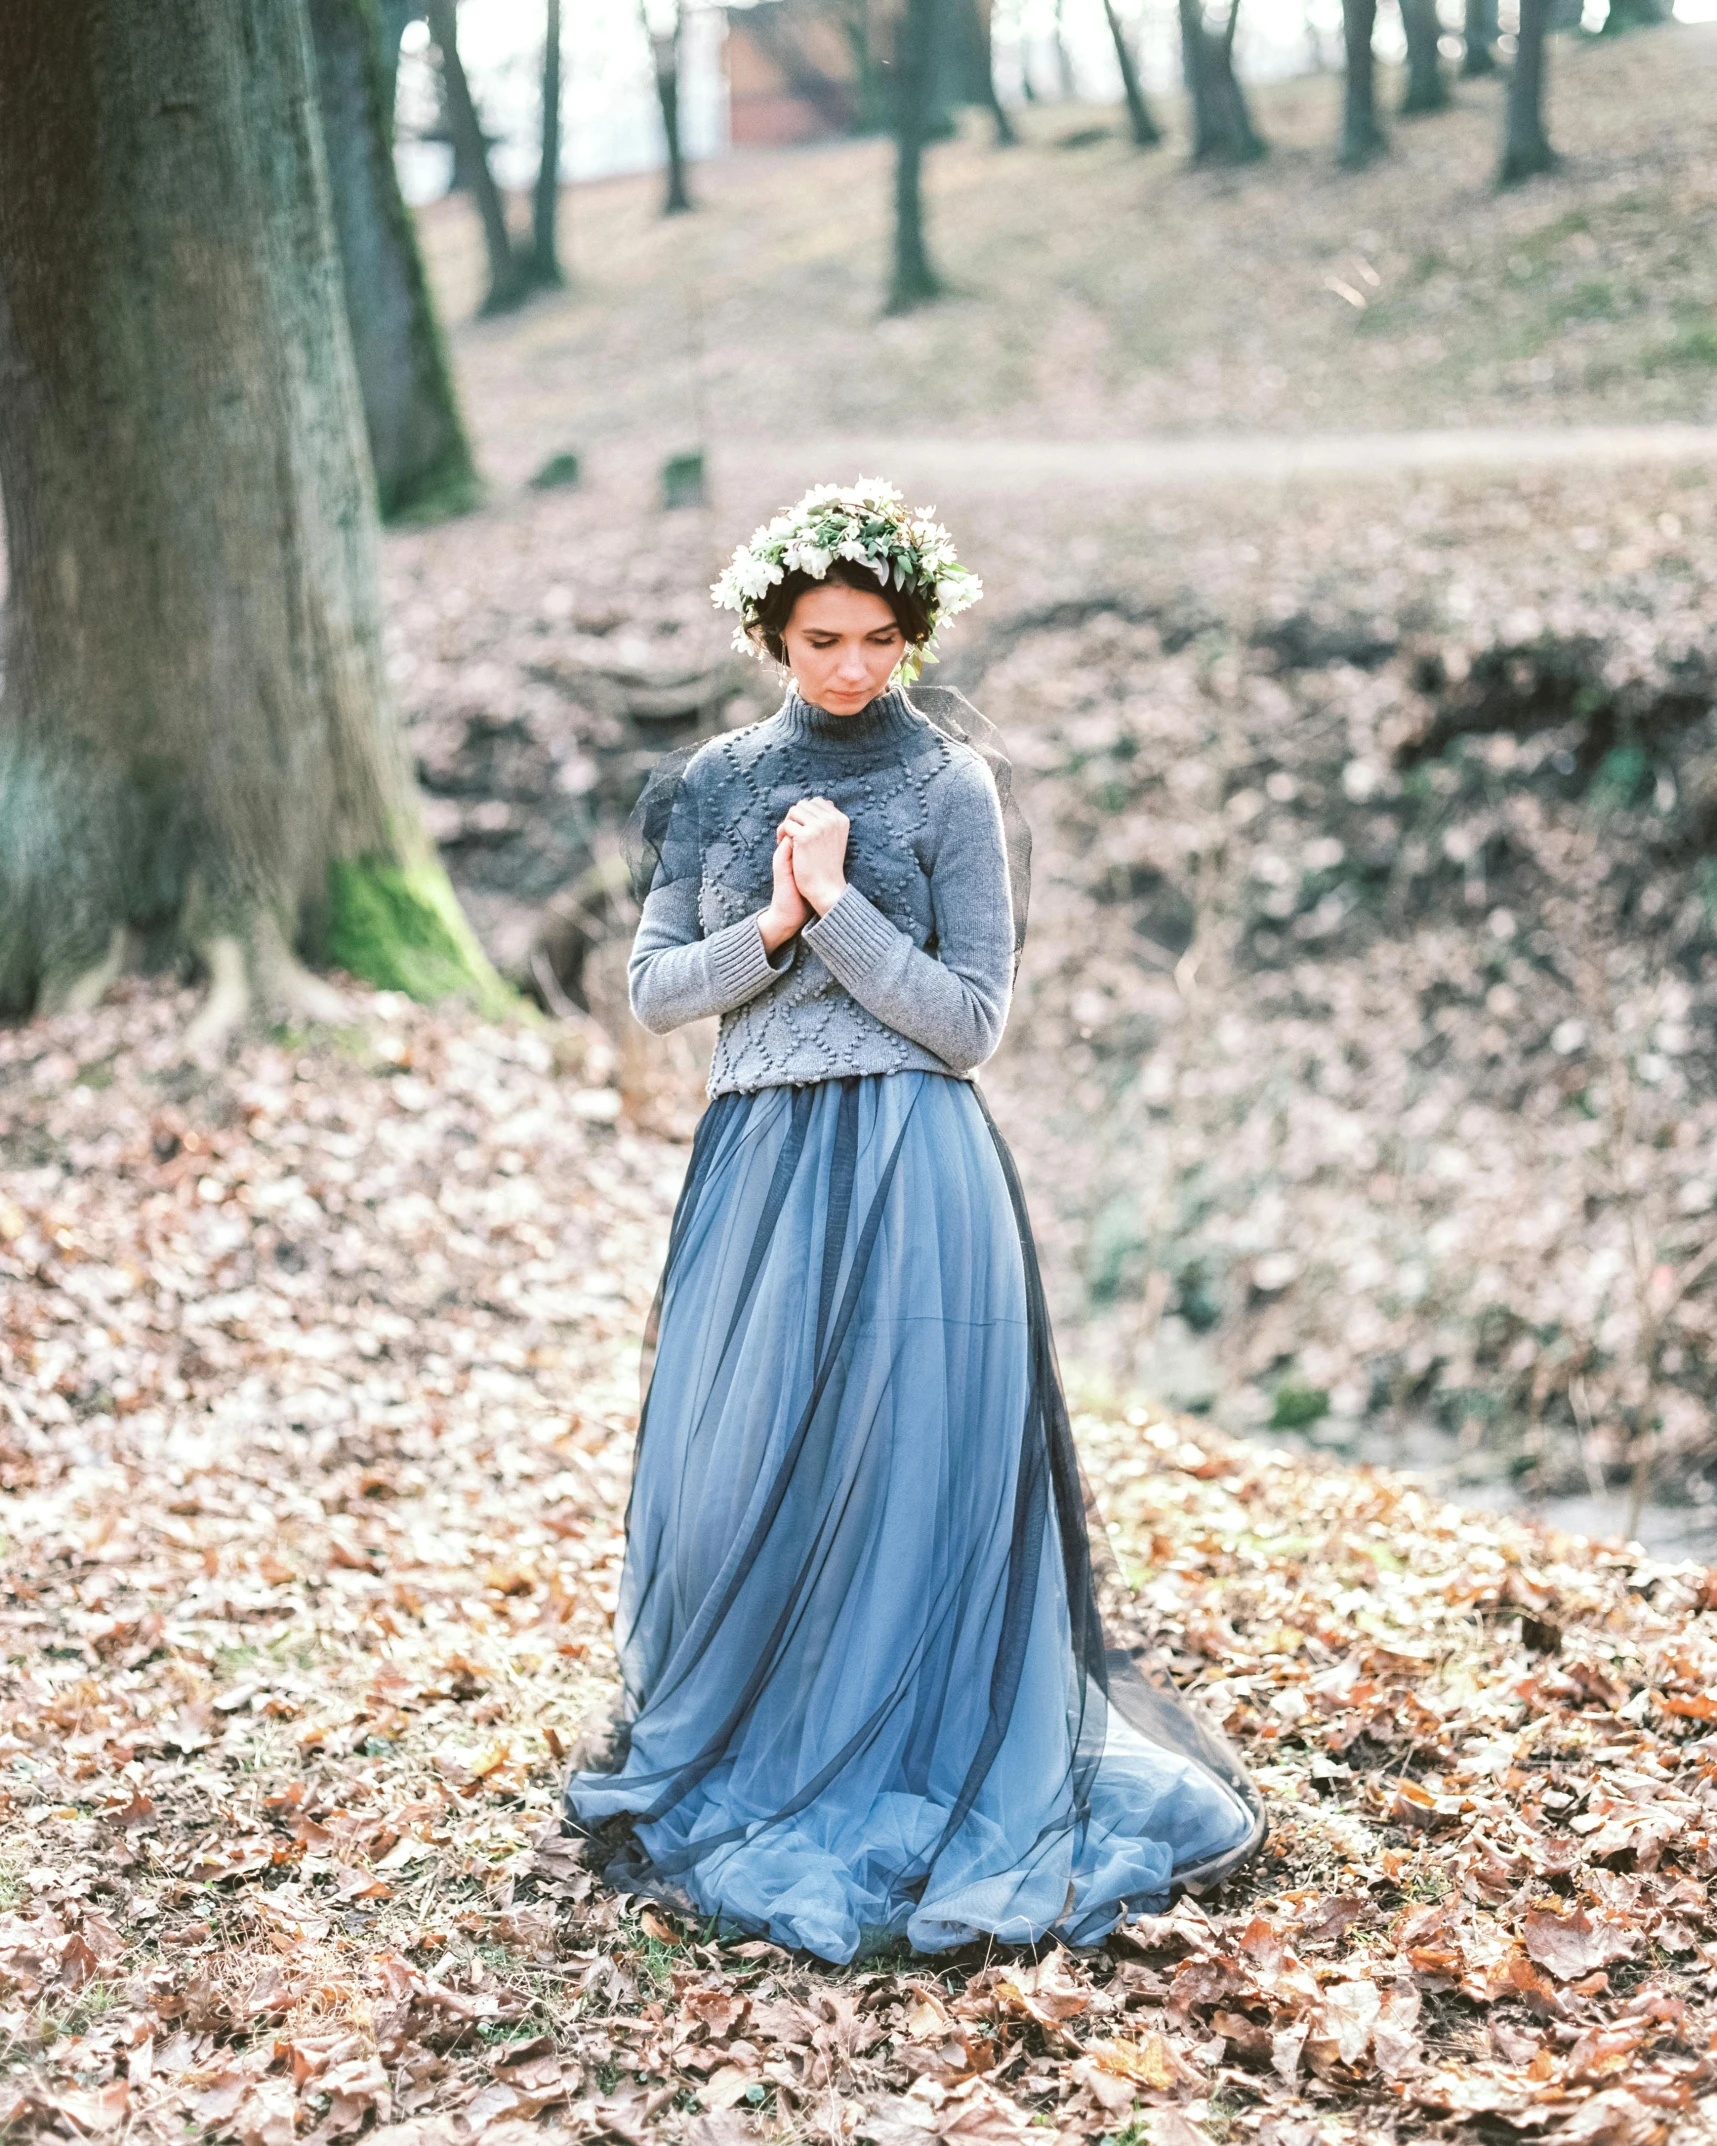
(318, 1392)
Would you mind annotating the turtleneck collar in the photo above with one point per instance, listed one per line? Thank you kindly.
(882, 722)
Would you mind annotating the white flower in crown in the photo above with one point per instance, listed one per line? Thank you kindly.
(867, 524)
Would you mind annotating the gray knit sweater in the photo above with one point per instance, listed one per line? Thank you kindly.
(911, 968)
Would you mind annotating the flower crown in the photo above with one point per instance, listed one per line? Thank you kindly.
(867, 523)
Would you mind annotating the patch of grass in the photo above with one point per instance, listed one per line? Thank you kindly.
(1693, 349)
(1297, 1407)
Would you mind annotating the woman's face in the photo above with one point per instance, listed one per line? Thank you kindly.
(842, 646)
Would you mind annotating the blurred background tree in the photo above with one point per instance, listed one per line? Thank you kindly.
(418, 449)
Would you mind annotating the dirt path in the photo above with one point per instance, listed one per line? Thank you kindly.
(1024, 465)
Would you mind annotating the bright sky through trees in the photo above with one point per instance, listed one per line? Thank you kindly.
(612, 121)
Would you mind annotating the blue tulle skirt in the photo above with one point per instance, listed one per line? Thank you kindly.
(868, 1694)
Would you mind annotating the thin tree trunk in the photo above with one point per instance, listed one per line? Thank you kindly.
(665, 46)
(984, 53)
(196, 748)
(545, 204)
(914, 280)
(1526, 149)
(1063, 58)
(1222, 129)
(1362, 136)
(1146, 133)
(395, 15)
(1479, 36)
(418, 447)
(1427, 88)
(507, 281)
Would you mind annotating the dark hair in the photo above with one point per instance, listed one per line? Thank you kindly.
(914, 613)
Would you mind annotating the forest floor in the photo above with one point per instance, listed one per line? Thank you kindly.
(317, 1375)
(318, 1371)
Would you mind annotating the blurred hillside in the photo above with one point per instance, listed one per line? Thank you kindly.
(1097, 291)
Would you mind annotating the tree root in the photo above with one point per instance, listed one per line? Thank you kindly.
(228, 1002)
(82, 990)
(265, 975)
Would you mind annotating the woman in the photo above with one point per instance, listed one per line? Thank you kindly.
(867, 1695)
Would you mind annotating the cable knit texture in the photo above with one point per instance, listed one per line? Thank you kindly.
(911, 969)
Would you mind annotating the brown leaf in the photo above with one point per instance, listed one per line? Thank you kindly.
(97, 2110)
(1047, 1992)
(1148, 2061)
(1169, 2127)
(724, 2127)
(1341, 2025)
(730, 2084)
(1615, 2118)
(1575, 1944)
(1113, 2092)
(896, 2120)
(981, 2118)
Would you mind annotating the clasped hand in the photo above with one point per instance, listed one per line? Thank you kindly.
(809, 868)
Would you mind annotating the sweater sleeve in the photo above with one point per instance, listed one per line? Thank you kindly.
(676, 974)
(953, 1002)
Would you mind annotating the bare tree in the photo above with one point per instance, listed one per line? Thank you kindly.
(1145, 131)
(984, 68)
(1427, 88)
(1064, 56)
(1479, 37)
(1222, 129)
(667, 38)
(395, 15)
(508, 282)
(545, 203)
(1362, 136)
(1526, 149)
(198, 760)
(418, 447)
(914, 281)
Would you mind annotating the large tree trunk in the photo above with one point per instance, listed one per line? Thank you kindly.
(1222, 129)
(1362, 138)
(418, 446)
(1427, 88)
(1145, 131)
(914, 281)
(665, 48)
(508, 283)
(196, 750)
(1526, 148)
(1479, 35)
(545, 205)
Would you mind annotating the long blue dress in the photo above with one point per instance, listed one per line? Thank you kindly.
(867, 1691)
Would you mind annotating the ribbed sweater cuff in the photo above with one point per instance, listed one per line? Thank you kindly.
(854, 938)
(740, 961)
